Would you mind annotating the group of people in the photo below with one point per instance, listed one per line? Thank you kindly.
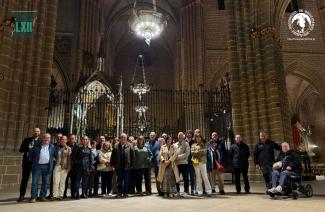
(122, 163)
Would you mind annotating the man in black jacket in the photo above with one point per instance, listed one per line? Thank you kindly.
(26, 148)
(122, 159)
(264, 156)
(239, 154)
(288, 164)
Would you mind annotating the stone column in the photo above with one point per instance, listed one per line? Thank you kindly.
(259, 97)
(192, 48)
(26, 64)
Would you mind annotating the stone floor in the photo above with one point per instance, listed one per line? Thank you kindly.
(257, 201)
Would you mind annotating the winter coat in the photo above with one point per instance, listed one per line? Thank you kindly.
(142, 156)
(199, 152)
(104, 160)
(83, 160)
(239, 154)
(264, 155)
(116, 159)
(164, 155)
(291, 159)
(183, 151)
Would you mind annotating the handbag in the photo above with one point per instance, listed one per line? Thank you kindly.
(195, 161)
(220, 167)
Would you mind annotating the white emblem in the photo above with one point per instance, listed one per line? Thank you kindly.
(301, 23)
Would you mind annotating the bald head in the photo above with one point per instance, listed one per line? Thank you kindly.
(46, 138)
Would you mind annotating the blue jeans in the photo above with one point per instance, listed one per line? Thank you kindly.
(280, 177)
(41, 170)
(123, 181)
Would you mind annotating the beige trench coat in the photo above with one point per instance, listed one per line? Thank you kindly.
(166, 154)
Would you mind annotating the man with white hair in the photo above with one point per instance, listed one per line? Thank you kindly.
(287, 164)
(122, 159)
(183, 151)
(42, 157)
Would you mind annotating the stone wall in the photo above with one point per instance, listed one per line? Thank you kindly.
(10, 170)
(26, 64)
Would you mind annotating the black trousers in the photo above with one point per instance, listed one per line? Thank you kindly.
(72, 177)
(267, 179)
(139, 175)
(93, 183)
(244, 173)
(106, 177)
(132, 181)
(27, 169)
(184, 170)
(84, 178)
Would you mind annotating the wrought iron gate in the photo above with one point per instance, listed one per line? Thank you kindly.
(95, 112)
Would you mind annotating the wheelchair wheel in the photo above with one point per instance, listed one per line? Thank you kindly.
(308, 190)
(294, 195)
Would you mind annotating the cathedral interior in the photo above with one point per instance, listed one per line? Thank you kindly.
(216, 65)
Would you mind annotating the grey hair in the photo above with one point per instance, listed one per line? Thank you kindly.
(285, 144)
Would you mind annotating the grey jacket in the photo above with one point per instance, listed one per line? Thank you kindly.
(183, 151)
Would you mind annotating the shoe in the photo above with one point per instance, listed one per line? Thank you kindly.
(119, 195)
(32, 200)
(213, 191)
(65, 196)
(148, 193)
(192, 192)
(84, 196)
(222, 192)
(237, 192)
(247, 192)
(125, 195)
(278, 189)
(20, 199)
(77, 197)
(109, 195)
(271, 190)
(43, 199)
(165, 196)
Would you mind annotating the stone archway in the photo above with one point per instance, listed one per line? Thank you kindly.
(306, 102)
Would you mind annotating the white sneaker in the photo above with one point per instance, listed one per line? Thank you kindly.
(271, 190)
(110, 194)
(278, 189)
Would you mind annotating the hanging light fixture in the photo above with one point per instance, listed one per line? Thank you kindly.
(140, 88)
(146, 23)
(142, 122)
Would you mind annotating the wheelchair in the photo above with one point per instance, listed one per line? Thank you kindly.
(293, 186)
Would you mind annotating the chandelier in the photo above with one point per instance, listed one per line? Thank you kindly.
(146, 23)
(140, 88)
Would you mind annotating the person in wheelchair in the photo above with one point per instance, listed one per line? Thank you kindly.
(287, 165)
